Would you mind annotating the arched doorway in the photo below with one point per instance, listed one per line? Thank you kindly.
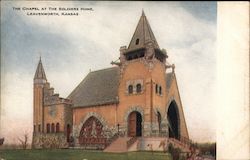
(173, 121)
(134, 124)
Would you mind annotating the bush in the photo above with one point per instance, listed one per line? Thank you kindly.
(175, 152)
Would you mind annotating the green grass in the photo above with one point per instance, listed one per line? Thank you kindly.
(77, 154)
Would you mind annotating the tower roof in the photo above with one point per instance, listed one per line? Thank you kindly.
(40, 74)
(143, 34)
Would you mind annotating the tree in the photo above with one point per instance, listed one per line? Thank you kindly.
(24, 141)
(175, 152)
(1, 141)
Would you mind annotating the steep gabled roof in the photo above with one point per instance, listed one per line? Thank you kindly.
(98, 88)
(143, 33)
(40, 73)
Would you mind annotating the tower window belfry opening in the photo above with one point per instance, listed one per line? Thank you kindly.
(135, 54)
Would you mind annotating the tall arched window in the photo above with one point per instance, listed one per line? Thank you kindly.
(159, 120)
(130, 89)
(48, 128)
(68, 130)
(138, 88)
(52, 128)
(34, 128)
(39, 128)
(57, 127)
(160, 91)
(156, 88)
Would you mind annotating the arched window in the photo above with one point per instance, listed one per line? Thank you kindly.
(156, 88)
(130, 89)
(48, 128)
(138, 88)
(159, 120)
(137, 41)
(160, 91)
(57, 127)
(52, 128)
(39, 128)
(68, 130)
(34, 128)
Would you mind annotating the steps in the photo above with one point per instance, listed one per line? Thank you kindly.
(179, 144)
(118, 146)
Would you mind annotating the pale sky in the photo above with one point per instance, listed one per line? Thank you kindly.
(72, 45)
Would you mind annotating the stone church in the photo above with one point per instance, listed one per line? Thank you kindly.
(135, 101)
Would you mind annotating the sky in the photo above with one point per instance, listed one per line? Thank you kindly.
(71, 46)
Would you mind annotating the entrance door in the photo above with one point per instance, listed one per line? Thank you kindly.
(134, 124)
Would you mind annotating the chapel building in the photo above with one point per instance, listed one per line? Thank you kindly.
(137, 98)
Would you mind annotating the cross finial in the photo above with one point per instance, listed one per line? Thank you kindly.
(143, 14)
(40, 57)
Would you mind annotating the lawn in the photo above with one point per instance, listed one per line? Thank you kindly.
(76, 154)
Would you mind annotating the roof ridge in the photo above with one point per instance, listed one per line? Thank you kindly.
(103, 69)
(84, 79)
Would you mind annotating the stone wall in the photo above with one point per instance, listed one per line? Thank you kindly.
(56, 140)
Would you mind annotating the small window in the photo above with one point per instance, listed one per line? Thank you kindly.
(160, 92)
(138, 88)
(130, 89)
(156, 88)
(137, 41)
(48, 128)
(52, 128)
(34, 128)
(57, 127)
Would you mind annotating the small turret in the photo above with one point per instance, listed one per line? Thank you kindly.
(40, 81)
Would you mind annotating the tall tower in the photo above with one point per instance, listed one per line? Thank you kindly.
(143, 82)
(38, 98)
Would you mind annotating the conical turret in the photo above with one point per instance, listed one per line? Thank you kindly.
(40, 76)
(142, 35)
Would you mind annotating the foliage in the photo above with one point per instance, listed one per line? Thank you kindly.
(24, 141)
(78, 154)
(207, 148)
(50, 141)
(175, 152)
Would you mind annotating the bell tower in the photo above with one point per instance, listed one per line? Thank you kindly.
(38, 98)
(143, 44)
(143, 91)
